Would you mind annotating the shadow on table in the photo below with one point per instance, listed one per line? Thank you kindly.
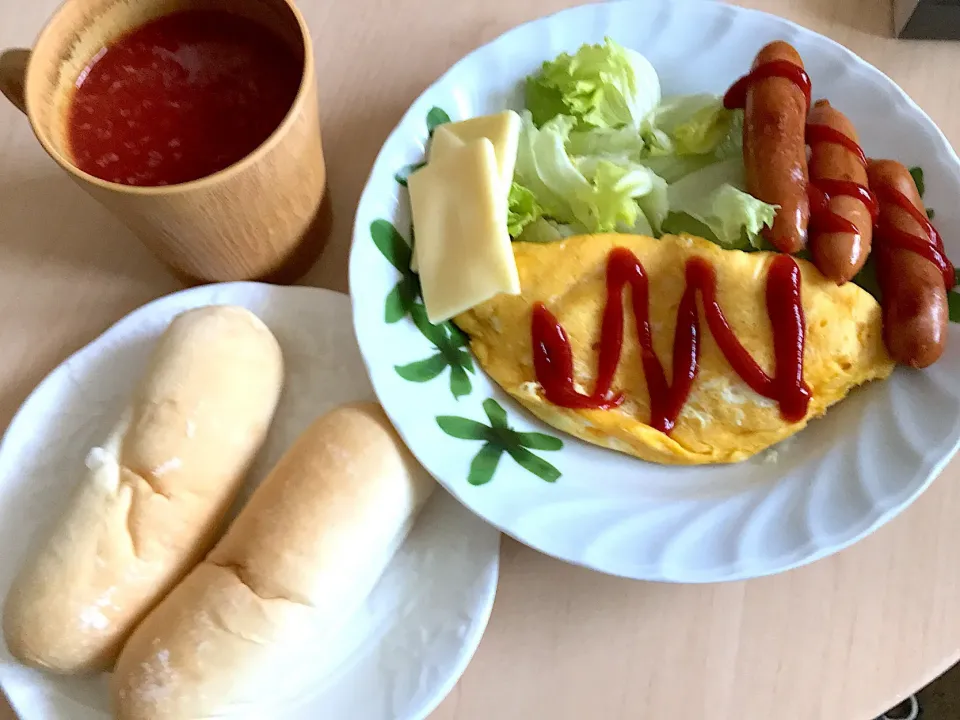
(49, 222)
(64, 256)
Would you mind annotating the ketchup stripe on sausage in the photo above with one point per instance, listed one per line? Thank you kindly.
(841, 232)
(912, 269)
(736, 97)
(931, 248)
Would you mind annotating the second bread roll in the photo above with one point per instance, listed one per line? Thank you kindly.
(300, 558)
(155, 494)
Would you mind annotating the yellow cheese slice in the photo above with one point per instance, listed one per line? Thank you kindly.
(502, 129)
(460, 219)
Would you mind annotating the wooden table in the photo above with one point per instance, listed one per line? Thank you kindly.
(840, 640)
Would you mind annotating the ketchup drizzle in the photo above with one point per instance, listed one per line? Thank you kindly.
(933, 250)
(553, 356)
(736, 97)
(824, 189)
(817, 133)
(821, 190)
(553, 364)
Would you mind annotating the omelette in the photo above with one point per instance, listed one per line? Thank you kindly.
(723, 420)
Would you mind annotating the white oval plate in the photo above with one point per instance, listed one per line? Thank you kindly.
(834, 483)
(402, 652)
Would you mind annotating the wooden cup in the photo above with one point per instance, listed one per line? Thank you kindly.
(264, 217)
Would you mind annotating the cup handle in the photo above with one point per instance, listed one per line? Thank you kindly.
(13, 73)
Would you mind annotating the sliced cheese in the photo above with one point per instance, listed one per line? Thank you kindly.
(460, 217)
(501, 129)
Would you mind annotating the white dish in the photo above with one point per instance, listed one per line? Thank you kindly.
(834, 483)
(399, 656)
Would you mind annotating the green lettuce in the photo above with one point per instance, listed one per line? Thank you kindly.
(674, 165)
(601, 152)
(687, 125)
(604, 86)
(522, 209)
(715, 198)
(543, 230)
(615, 144)
(590, 193)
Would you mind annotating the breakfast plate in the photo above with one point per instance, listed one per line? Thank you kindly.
(399, 655)
(824, 488)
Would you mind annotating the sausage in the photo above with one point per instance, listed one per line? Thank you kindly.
(839, 255)
(774, 153)
(914, 293)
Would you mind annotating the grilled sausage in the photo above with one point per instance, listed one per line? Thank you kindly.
(774, 151)
(839, 254)
(914, 289)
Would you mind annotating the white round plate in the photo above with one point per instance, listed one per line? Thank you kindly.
(399, 655)
(835, 482)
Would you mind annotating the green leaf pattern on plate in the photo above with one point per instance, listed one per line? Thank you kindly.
(405, 299)
(484, 464)
(436, 117)
(448, 342)
(404, 172)
(451, 345)
(395, 249)
(423, 370)
(499, 438)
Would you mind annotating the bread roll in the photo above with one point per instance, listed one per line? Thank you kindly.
(303, 554)
(155, 495)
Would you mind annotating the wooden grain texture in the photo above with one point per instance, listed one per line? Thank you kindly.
(840, 640)
(248, 221)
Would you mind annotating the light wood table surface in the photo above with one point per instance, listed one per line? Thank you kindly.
(842, 639)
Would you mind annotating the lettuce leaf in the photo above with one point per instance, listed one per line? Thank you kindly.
(543, 230)
(615, 144)
(732, 145)
(591, 193)
(687, 125)
(616, 185)
(603, 86)
(600, 151)
(714, 196)
(674, 165)
(522, 209)
(543, 101)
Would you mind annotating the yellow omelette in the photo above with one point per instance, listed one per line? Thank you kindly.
(723, 419)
